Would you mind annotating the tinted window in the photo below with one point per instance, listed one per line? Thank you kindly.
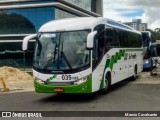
(146, 39)
(124, 40)
(140, 41)
(99, 41)
(98, 49)
(130, 39)
(112, 37)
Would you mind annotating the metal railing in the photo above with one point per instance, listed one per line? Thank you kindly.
(155, 64)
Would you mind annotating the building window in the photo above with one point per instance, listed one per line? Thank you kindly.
(86, 4)
(59, 14)
(24, 21)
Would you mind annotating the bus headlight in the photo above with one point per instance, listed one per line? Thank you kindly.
(81, 80)
(146, 61)
(39, 81)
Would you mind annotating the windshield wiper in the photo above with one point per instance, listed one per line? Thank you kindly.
(62, 53)
(69, 65)
(52, 58)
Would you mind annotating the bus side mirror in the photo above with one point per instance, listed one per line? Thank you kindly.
(90, 39)
(26, 40)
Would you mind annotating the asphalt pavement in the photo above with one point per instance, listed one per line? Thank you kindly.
(122, 97)
(140, 95)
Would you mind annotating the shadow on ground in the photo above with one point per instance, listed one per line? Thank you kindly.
(83, 97)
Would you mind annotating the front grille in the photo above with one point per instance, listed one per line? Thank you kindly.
(60, 83)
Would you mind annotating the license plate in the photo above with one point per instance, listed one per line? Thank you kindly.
(58, 89)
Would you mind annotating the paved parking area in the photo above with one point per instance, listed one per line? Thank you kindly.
(22, 86)
(140, 95)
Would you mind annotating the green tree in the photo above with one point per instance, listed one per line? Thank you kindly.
(157, 33)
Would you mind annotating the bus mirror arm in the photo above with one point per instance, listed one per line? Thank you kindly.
(90, 39)
(26, 40)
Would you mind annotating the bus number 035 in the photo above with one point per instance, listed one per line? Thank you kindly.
(66, 77)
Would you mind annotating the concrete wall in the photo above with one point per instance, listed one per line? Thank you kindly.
(97, 6)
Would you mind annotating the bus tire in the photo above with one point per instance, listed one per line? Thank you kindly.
(107, 84)
(134, 77)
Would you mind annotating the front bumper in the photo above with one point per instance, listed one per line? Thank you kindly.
(85, 87)
(147, 66)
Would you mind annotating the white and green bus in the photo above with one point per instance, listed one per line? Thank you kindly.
(84, 55)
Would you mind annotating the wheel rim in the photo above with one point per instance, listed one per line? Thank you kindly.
(106, 82)
(135, 73)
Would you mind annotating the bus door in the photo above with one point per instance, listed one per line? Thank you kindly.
(112, 49)
(98, 60)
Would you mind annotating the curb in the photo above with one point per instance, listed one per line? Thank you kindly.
(146, 78)
(18, 86)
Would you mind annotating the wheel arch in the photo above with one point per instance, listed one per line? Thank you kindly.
(136, 68)
(108, 72)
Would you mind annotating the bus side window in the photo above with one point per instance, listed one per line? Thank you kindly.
(124, 40)
(153, 51)
(112, 37)
(109, 37)
(145, 40)
(117, 38)
(95, 50)
(98, 48)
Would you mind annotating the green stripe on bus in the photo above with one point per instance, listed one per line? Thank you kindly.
(107, 64)
(110, 62)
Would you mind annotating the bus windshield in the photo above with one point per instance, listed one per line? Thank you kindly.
(61, 51)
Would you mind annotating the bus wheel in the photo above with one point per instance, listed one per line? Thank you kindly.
(135, 73)
(107, 84)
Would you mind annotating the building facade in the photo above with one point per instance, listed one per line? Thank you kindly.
(137, 24)
(19, 18)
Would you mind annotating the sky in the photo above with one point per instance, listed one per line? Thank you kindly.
(126, 10)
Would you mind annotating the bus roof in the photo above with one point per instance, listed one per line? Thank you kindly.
(81, 23)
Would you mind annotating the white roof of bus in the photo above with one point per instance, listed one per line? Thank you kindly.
(77, 23)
